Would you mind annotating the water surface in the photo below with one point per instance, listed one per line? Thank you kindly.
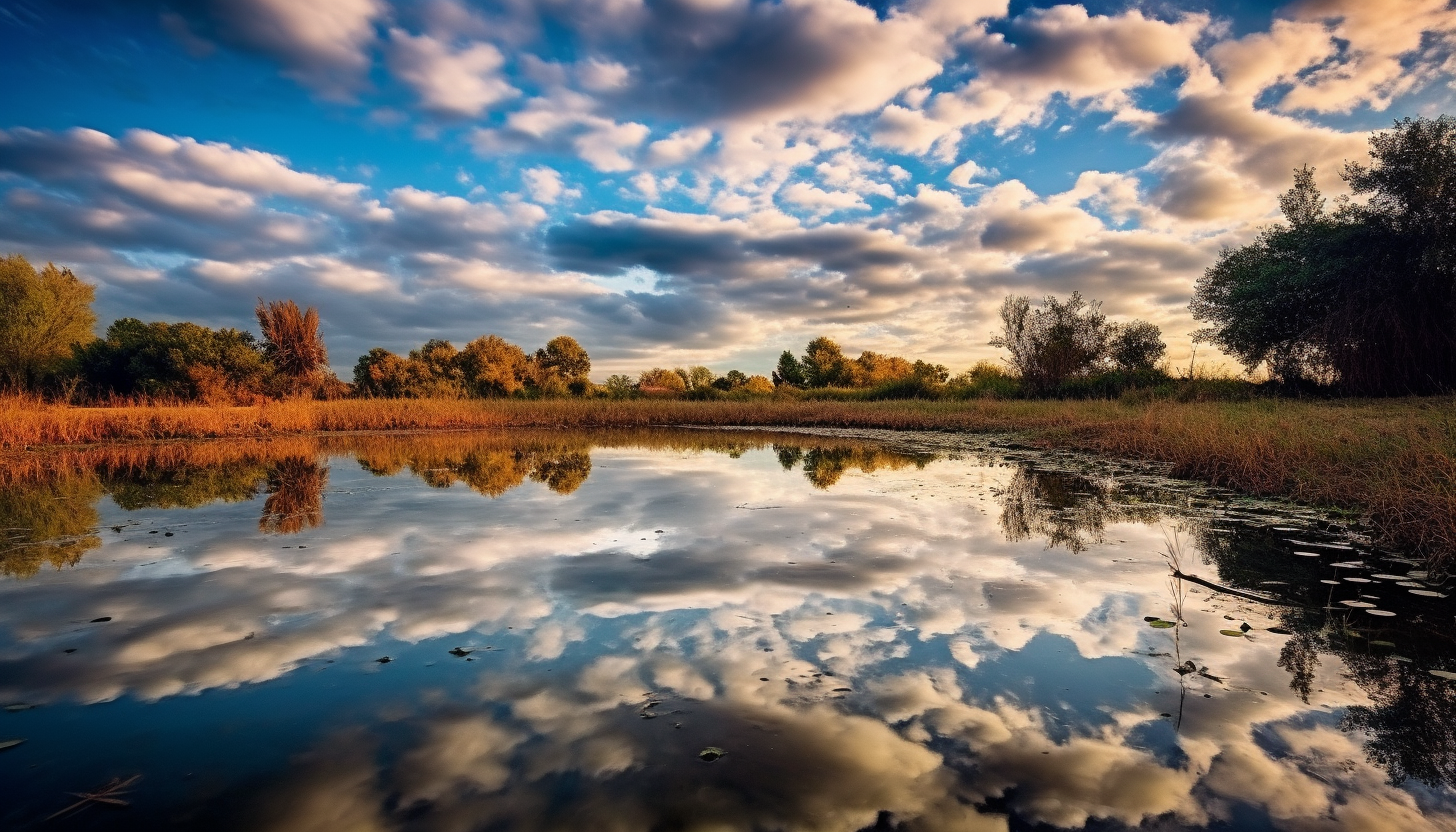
(536, 631)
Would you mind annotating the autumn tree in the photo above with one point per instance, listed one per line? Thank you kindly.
(292, 343)
(562, 366)
(43, 316)
(492, 366)
(659, 380)
(181, 360)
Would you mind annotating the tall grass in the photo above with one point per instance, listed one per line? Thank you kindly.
(1394, 460)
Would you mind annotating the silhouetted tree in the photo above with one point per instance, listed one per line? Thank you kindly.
(1365, 296)
(1135, 347)
(788, 371)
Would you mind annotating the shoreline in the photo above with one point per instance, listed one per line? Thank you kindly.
(1392, 460)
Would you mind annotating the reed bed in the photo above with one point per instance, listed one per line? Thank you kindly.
(1393, 460)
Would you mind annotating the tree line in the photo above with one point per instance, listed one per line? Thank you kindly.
(1358, 300)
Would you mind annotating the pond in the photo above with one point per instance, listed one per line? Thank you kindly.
(701, 630)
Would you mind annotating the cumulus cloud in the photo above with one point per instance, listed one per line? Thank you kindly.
(458, 82)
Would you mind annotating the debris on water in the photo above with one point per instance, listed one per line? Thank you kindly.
(461, 652)
(841, 690)
(168, 534)
(102, 620)
(1186, 668)
(384, 660)
(1280, 631)
(763, 678)
(69, 650)
(711, 753)
(1160, 624)
(1151, 618)
(4, 744)
(1418, 574)
(1231, 632)
(106, 795)
(18, 706)
(1244, 627)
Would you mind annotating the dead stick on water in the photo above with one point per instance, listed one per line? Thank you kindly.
(1239, 593)
(106, 794)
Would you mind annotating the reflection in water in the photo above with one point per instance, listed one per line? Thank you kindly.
(295, 496)
(886, 634)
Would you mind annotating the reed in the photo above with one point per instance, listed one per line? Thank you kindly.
(1393, 460)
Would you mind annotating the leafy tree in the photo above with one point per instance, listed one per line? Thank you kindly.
(440, 367)
(730, 381)
(758, 386)
(789, 371)
(872, 369)
(1365, 296)
(659, 380)
(824, 364)
(619, 386)
(292, 342)
(43, 315)
(562, 366)
(383, 374)
(182, 360)
(1054, 343)
(699, 378)
(492, 366)
(1135, 347)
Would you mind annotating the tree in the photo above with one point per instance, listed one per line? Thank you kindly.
(1052, 344)
(658, 380)
(872, 369)
(732, 380)
(182, 360)
(383, 374)
(492, 366)
(292, 343)
(824, 364)
(789, 371)
(43, 316)
(1364, 297)
(562, 366)
(619, 386)
(1135, 347)
(439, 365)
(699, 378)
(758, 386)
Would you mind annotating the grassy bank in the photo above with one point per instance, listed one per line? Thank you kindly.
(1393, 459)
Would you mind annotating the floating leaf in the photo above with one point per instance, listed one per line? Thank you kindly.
(459, 651)
(1359, 605)
(18, 706)
(1399, 658)
(1308, 554)
(1384, 577)
(1231, 632)
(4, 744)
(1415, 584)
(1348, 564)
(711, 753)
(384, 660)
(1360, 580)
(1444, 674)
(1328, 581)
(1280, 631)
(1151, 618)
(1427, 593)
(1160, 624)
(1382, 643)
(102, 620)
(1419, 574)
(1382, 613)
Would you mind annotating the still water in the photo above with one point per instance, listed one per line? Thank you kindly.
(691, 630)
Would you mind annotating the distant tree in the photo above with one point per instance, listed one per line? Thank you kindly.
(872, 369)
(619, 386)
(382, 374)
(824, 364)
(758, 386)
(699, 378)
(929, 373)
(562, 366)
(43, 315)
(292, 343)
(1364, 297)
(730, 381)
(182, 360)
(492, 366)
(1054, 343)
(439, 364)
(789, 371)
(658, 380)
(1136, 346)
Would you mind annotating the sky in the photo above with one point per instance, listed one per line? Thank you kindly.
(678, 182)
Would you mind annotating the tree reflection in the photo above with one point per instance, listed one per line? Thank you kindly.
(295, 496)
(1411, 719)
(50, 523)
(1068, 510)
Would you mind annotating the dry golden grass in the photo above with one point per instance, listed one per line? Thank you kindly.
(1394, 459)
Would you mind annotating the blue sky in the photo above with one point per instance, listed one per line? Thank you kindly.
(680, 181)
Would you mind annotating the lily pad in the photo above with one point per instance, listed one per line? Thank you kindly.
(1160, 624)
(1444, 674)
(1387, 577)
(1382, 613)
(1419, 574)
(1359, 580)
(1415, 584)
(1231, 632)
(711, 753)
(1328, 581)
(1359, 605)
(4, 744)
(1428, 593)
(1377, 643)
(1308, 554)
(1280, 631)
(18, 706)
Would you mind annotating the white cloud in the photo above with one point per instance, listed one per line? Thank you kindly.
(452, 82)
